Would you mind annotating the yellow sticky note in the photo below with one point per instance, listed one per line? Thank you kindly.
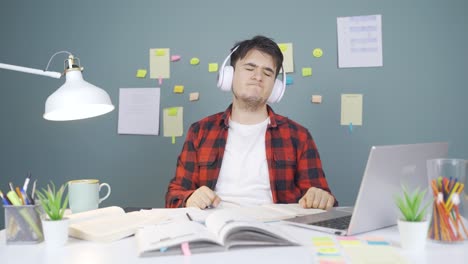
(194, 61)
(160, 64)
(288, 55)
(213, 67)
(317, 52)
(194, 96)
(160, 52)
(141, 73)
(172, 111)
(178, 89)
(306, 72)
(323, 243)
(283, 47)
(327, 250)
(351, 109)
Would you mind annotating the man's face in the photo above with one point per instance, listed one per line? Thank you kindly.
(254, 77)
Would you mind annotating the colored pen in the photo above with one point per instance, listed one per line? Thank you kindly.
(11, 186)
(26, 199)
(4, 199)
(18, 192)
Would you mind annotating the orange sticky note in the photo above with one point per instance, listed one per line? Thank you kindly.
(194, 96)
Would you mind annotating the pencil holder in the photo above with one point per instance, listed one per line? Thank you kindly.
(23, 224)
(446, 223)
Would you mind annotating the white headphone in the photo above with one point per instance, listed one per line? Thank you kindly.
(226, 74)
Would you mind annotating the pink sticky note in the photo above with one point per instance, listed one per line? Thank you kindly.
(175, 57)
(185, 249)
(160, 80)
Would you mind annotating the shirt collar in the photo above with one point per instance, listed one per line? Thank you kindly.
(275, 119)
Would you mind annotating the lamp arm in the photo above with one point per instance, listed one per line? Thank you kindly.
(56, 75)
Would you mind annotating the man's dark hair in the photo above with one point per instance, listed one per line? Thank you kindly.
(260, 43)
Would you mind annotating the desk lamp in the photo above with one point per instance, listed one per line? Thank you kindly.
(76, 98)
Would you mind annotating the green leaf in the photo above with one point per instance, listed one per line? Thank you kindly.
(410, 204)
(52, 201)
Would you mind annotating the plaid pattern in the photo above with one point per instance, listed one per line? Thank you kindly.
(293, 160)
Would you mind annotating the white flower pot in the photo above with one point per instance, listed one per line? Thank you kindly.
(413, 235)
(55, 232)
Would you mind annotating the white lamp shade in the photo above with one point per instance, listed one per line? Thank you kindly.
(77, 99)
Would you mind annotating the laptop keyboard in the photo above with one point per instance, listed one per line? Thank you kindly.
(336, 223)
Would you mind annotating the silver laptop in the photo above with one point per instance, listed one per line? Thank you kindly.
(388, 167)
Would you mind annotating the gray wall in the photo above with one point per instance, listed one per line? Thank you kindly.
(418, 96)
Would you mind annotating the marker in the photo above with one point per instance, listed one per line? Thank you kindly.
(13, 197)
(26, 182)
(189, 217)
(33, 192)
(18, 193)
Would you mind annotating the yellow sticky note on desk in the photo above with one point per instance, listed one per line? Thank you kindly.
(141, 73)
(213, 67)
(160, 52)
(306, 72)
(194, 61)
(172, 111)
(178, 89)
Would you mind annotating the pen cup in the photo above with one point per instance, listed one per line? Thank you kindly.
(23, 224)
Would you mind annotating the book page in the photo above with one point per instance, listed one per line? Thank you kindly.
(168, 236)
(92, 214)
(217, 220)
(111, 226)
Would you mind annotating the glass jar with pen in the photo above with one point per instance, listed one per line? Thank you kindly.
(22, 216)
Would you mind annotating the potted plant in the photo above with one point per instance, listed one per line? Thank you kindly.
(414, 224)
(55, 225)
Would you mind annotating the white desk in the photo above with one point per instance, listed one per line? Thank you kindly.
(124, 251)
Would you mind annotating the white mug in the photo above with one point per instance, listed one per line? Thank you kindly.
(84, 194)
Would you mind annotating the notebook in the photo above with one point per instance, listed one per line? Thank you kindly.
(388, 167)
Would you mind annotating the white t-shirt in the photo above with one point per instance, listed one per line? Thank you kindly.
(244, 177)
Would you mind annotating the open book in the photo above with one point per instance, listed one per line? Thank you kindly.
(109, 224)
(223, 230)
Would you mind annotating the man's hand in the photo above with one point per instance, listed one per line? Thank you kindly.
(202, 198)
(317, 198)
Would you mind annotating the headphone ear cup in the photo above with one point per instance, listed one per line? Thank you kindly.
(277, 92)
(225, 78)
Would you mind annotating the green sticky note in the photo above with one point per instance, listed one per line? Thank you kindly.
(173, 139)
(172, 111)
(306, 72)
(160, 52)
(141, 73)
(194, 61)
(317, 52)
(213, 67)
(283, 47)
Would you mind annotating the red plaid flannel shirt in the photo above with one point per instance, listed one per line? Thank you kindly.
(293, 160)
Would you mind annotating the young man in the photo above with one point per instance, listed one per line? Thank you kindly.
(248, 154)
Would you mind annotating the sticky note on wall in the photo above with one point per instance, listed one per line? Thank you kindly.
(194, 61)
(159, 63)
(213, 67)
(178, 89)
(141, 73)
(351, 109)
(194, 96)
(173, 121)
(288, 61)
(306, 72)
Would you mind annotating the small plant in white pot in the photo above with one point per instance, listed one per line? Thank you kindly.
(55, 226)
(414, 224)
